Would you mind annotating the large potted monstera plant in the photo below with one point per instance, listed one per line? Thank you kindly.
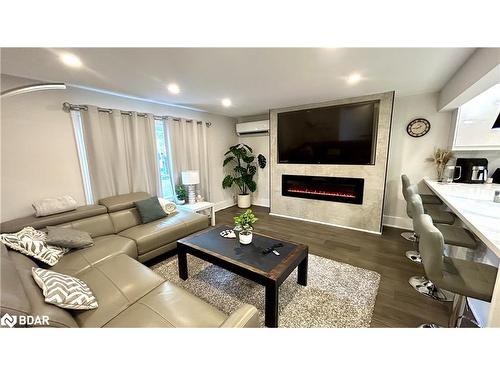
(241, 166)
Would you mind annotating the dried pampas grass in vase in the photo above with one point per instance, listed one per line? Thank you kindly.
(440, 158)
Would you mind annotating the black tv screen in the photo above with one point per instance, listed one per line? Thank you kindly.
(343, 134)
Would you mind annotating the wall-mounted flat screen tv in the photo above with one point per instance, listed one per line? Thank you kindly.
(341, 134)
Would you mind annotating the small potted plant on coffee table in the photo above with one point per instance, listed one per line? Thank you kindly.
(181, 193)
(244, 226)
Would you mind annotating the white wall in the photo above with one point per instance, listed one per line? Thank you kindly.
(407, 154)
(38, 151)
(260, 145)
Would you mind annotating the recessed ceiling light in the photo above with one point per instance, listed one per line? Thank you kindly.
(173, 88)
(71, 60)
(226, 102)
(354, 78)
(468, 121)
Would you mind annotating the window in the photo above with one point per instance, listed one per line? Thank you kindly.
(163, 158)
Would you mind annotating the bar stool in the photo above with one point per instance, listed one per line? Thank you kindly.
(453, 235)
(438, 216)
(462, 277)
(426, 199)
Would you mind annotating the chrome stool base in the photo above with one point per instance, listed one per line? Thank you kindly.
(424, 286)
(429, 325)
(409, 236)
(414, 256)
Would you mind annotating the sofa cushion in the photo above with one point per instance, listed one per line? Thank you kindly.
(31, 242)
(150, 210)
(116, 283)
(13, 299)
(122, 201)
(100, 225)
(169, 306)
(63, 290)
(125, 219)
(175, 226)
(105, 247)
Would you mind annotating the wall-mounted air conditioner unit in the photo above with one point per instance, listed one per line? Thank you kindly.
(253, 127)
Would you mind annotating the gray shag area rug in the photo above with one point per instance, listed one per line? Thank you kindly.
(336, 295)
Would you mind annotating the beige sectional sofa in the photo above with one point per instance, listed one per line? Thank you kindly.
(129, 294)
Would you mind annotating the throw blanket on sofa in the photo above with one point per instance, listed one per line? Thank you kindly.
(168, 207)
(50, 206)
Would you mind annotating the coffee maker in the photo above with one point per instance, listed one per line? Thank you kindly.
(473, 170)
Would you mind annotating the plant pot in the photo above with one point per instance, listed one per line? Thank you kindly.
(245, 237)
(244, 200)
(181, 202)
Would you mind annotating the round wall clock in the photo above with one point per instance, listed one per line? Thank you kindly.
(418, 127)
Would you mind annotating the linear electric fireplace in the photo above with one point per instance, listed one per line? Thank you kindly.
(337, 189)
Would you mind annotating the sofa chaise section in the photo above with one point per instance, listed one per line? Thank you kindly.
(155, 238)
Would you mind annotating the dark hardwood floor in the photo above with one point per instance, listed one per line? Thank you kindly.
(397, 304)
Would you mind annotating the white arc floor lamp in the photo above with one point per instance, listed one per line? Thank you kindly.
(31, 88)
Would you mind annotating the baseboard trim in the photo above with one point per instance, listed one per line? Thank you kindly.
(397, 222)
(224, 204)
(322, 222)
(261, 203)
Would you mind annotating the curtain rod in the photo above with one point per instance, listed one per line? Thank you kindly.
(77, 107)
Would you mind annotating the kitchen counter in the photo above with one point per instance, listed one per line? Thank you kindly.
(473, 204)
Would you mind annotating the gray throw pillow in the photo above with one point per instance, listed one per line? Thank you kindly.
(69, 238)
(150, 210)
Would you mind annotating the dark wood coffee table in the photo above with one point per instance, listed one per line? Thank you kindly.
(248, 261)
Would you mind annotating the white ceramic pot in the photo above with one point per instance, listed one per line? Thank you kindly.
(181, 202)
(244, 200)
(245, 237)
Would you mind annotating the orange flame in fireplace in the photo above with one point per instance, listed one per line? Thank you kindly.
(321, 192)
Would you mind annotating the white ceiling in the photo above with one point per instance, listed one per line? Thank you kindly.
(256, 79)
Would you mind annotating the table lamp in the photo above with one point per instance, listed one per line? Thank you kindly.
(190, 179)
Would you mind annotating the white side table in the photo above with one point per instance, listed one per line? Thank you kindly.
(200, 206)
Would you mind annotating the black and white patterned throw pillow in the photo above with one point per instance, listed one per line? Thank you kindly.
(64, 291)
(31, 242)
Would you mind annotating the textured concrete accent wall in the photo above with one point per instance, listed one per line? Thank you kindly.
(367, 216)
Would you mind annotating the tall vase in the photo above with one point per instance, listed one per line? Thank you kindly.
(440, 171)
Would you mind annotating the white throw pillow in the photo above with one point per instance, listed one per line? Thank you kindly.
(31, 242)
(64, 291)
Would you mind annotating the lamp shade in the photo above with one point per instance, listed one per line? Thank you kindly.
(190, 177)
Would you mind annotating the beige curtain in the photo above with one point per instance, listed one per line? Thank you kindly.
(121, 152)
(188, 145)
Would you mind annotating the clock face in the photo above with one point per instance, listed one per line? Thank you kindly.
(418, 127)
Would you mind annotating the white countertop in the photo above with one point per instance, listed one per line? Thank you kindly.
(473, 204)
